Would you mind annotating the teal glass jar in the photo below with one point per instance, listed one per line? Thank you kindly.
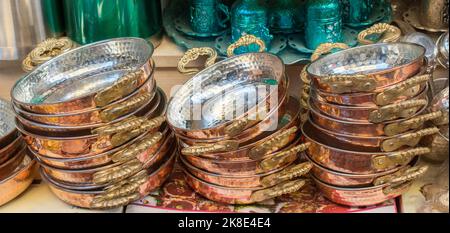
(208, 16)
(89, 21)
(250, 17)
(323, 22)
(356, 11)
(286, 16)
(53, 17)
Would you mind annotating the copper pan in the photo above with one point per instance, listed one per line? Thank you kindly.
(352, 180)
(249, 181)
(204, 107)
(366, 68)
(263, 144)
(365, 129)
(347, 158)
(104, 138)
(12, 163)
(8, 132)
(146, 98)
(382, 143)
(104, 73)
(393, 94)
(116, 195)
(270, 123)
(384, 188)
(241, 195)
(18, 181)
(8, 151)
(102, 175)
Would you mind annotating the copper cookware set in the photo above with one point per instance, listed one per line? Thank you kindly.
(238, 129)
(16, 166)
(367, 114)
(94, 119)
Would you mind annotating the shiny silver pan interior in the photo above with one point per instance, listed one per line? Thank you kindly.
(63, 83)
(8, 130)
(224, 92)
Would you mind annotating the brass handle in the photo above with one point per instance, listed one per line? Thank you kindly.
(409, 88)
(349, 83)
(396, 189)
(403, 175)
(399, 158)
(274, 143)
(246, 40)
(411, 139)
(149, 125)
(120, 88)
(115, 203)
(304, 76)
(390, 33)
(282, 158)
(192, 55)
(289, 173)
(118, 110)
(117, 173)
(404, 109)
(129, 125)
(223, 146)
(134, 150)
(413, 123)
(238, 126)
(46, 50)
(125, 187)
(278, 190)
(327, 48)
(304, 103)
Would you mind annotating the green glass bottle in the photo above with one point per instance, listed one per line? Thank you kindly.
(88, 21)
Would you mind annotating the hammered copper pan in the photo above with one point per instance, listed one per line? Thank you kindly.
(118, 195)
(11, 149)
(12, 163)
(366, 68)
(347, 158)
(8, 132)
(18, 182)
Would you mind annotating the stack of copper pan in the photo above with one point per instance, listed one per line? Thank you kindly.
(16, 167)
(367, 114)
(239, 130)
(93, 118)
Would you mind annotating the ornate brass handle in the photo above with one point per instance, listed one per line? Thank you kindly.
(192, 55)
(390, 33)
(134, 150)
(129, 125)
(404, 109)
(413, 123)
(281, 158)
(125, 187)
(278, 190)
(398, 158)
(117, 173)
(46, 50)
(349, 83)
(111, 113)
(327, 48)
(410, 88)
(115, 203)
(289, 173)
(124, 136)
(238, 126)
(121, 87)
(246, 40)
(278, 141)
(223, 146)
(411, 139)
(398, 180)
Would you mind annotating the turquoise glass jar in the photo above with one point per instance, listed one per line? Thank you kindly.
(286, 16)
(356, 11)
(208, 16)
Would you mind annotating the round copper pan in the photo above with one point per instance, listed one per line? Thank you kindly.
(83, 145)
(8, 151)
(364, 129)
(214, 90)
(352, 159)
(241, 195)
(88, 177)
(8, 132)
(140, 102)
(368, 68)
(282, 136)
(96, 61)
(372, 114)
(250, 181)
(382, 143)
(366, 196)
(268, 124)
(90, 161)
(18, 182)
(12, 163)
(119, 195)
(393, 94)
(350, 180)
